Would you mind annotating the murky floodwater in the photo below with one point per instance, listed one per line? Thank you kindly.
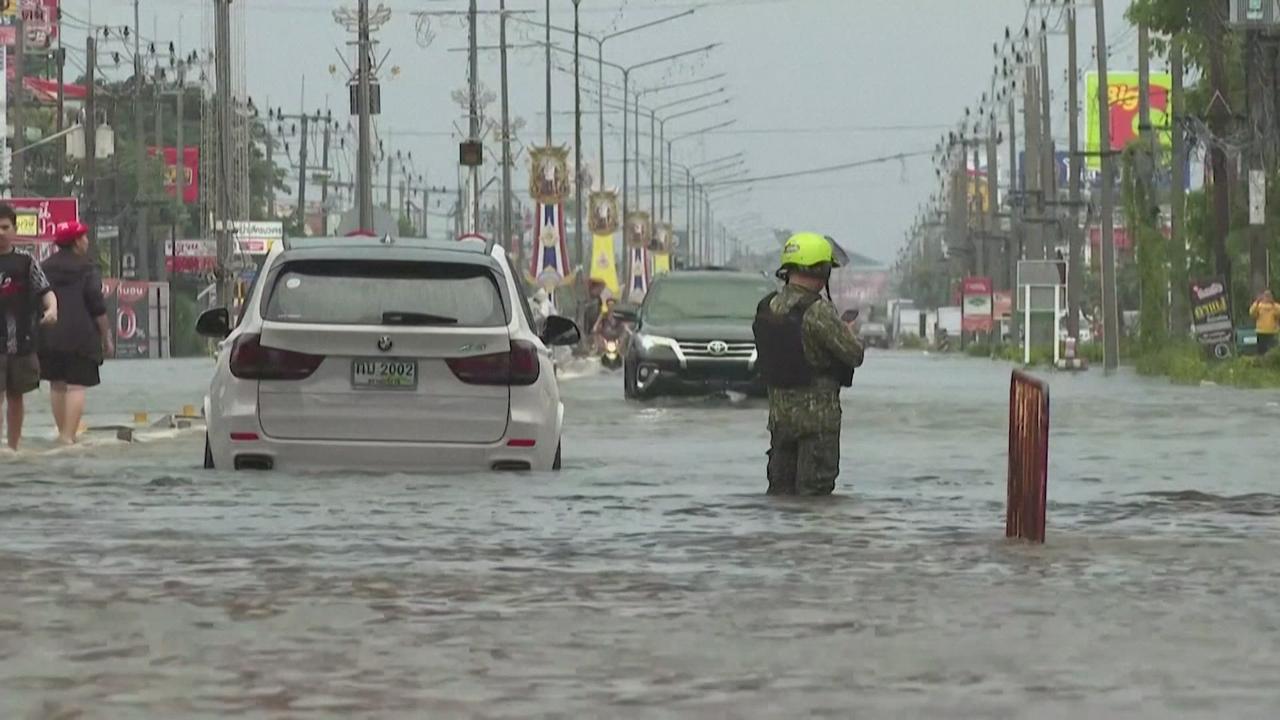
(652, 579)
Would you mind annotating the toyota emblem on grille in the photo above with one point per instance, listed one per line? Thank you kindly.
(717, 347)
(385, 344)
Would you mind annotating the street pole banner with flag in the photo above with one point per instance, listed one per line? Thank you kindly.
(603, 265)
(550, 267)
(638, 285)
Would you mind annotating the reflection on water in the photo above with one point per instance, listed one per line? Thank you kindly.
(652, 578)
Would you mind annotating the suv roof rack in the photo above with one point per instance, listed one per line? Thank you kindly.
(712, 268)
(361, 239)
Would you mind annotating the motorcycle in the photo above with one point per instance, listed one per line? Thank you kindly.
(611, 358)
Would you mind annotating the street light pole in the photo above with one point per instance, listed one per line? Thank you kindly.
(506, 140)
(577, 145)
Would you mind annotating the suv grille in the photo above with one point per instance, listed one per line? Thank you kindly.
(717, 350)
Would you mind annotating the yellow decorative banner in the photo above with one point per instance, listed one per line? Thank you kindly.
(603, 265)
(661, 263)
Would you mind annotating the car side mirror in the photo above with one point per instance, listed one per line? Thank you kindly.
(625, 314)
(558, 330)
(215, 323)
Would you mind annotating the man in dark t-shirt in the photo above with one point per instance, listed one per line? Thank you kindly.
(26, 302)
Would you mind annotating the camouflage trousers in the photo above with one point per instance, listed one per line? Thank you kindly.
(805, 465)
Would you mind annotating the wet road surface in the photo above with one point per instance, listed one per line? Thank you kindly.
(652, 579)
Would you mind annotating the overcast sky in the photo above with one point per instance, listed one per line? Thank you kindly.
(814, 83)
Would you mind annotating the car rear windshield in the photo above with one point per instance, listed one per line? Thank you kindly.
(385, 292)
(735, 298)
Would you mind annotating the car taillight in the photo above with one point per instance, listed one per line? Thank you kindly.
(519, 366)
(251, 360)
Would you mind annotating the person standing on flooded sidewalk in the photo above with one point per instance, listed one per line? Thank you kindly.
(806, 355)
(72, 350)
(26, 302)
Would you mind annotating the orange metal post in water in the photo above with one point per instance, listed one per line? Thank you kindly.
(1028, 458)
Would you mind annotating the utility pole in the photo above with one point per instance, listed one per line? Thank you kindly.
(150, 271)
(60, 57)
(1048, 157)
(90, 129)
(142, 228)
(363, 92)
(324, 178)
(18, 165)
(302, 172)
(1110, 312)
(222, 197)
(505, 215)
(474, 130)
(1219, 124)
(579, 251)
(1075, 269)
(1013, 250)
(391, 164)
(1033, 158)
(548, 47)
(179, 195)
(1256, 94)
(1179, 305)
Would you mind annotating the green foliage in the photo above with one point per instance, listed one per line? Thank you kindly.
(911, 342)
(978, 350)
(1152, 269)
(184, 310)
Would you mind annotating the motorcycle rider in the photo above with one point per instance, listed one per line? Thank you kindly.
(806, 355)
(609, 326)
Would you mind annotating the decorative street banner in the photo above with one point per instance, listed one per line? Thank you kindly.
(639, 231)
(1122, 99)
(638, 284)
(603, 265)
(1212, 317)
(549, 175)
(550, 266)
(661, 264)
(141, 317)
(190, 171)
(604, 212)
(663, 239)
(978, 307)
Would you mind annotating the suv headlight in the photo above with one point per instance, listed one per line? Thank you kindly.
(649, 342)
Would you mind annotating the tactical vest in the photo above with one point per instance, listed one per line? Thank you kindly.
(780, 348)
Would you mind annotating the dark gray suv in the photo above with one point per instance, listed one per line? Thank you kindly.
(693, 335)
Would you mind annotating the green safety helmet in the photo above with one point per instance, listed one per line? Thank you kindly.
(806, 250)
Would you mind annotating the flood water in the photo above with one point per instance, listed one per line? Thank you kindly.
(652, 578)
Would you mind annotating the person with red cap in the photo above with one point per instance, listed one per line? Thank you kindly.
(72, 350)
(25, 301)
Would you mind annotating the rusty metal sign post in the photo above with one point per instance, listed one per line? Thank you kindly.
(1028, 491)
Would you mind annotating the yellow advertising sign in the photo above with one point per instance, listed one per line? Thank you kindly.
(1122, 100)
(28, 223)
(603, 265)
(9, 8)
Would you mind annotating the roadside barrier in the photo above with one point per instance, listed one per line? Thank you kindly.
(1028, 458)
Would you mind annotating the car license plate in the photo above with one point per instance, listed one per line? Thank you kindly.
(384, 374)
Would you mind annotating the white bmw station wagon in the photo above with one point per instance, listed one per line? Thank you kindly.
(385, 354)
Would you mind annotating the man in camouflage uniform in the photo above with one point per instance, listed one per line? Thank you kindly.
(806, 354)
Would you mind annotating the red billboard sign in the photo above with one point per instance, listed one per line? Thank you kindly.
(977, 304)
(190, 171)
(1002, 303)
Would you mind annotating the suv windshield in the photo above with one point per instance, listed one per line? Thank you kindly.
(382, 293)
(717, 298)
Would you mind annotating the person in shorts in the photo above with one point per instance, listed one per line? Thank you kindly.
(26, 302)
(72, 350)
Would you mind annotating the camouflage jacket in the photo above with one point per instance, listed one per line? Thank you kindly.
(828, 343)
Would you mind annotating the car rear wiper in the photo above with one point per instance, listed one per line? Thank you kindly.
(397, 317)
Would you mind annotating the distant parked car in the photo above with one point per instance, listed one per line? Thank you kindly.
(873, 334)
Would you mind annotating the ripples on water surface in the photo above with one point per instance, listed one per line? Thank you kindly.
(652, 579)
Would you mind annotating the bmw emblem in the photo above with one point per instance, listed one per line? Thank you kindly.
(385, 344)
(717, 347)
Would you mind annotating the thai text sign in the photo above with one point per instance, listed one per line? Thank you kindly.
(1211, 315)
(1122, 101)
(978, 308)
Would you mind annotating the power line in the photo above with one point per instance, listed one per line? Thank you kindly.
(821, 170)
